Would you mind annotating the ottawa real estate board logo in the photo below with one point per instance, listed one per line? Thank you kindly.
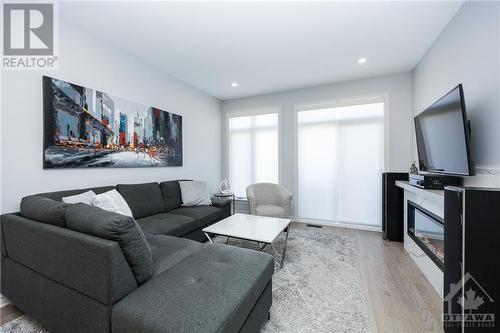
(29, 36)
(467, 304)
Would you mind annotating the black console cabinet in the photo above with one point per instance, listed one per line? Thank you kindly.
(472, 260)
(392, 206)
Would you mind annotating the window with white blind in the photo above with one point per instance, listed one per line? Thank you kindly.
(252, 150)
(340, 159)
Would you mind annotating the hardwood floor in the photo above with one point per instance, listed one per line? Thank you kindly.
(400, 299)
(9, 312)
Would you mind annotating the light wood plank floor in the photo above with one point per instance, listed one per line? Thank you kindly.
(400, 299)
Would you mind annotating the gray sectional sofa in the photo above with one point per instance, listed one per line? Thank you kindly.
(76, 282)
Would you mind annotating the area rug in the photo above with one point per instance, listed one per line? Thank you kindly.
(23, 324)
(318, 289)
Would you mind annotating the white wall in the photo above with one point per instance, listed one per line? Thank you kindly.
(398, 88)
(468, 52)
(87, 61)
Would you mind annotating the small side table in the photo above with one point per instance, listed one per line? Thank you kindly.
(225, 196)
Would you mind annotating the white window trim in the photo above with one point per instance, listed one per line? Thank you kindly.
(339, 102)
(244, 113)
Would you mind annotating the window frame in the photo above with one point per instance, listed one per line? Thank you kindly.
(246, 113)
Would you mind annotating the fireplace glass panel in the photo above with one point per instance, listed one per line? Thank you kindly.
(427, 230)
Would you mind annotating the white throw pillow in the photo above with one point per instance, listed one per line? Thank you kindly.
(194, 193)
(85, 197)
(112, 201)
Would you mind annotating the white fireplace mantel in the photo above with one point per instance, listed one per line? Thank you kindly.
(433, 201)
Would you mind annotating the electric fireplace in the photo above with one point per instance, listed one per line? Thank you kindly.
(427, 230)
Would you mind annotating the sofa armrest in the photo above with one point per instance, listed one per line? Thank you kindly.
(219, 203)
(90, 265)
(224, 205)
(285, 200)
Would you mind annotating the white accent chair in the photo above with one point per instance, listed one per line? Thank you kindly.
(268, 199)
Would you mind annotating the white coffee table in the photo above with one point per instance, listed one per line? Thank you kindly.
(260, 229)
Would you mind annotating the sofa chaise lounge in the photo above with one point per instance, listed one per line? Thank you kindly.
(75, 282)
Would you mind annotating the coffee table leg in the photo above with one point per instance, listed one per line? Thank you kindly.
(281, 264)
(210, 239)
(284, 246)
(262, 247)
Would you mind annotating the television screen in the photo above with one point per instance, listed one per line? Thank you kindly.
(442, 136)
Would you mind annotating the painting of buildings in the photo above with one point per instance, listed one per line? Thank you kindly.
(86, 128)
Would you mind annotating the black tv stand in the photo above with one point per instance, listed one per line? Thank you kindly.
(472, 260)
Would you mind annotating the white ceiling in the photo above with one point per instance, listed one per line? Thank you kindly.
(267, 46)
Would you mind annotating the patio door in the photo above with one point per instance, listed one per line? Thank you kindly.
(340, 160)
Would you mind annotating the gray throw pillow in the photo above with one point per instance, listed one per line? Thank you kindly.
(116, 227)
(85, 197)
(194, 193)
(44, 210)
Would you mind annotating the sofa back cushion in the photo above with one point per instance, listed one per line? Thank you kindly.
(43, 209)
(171, 193)
(143, 199)
(116, 227)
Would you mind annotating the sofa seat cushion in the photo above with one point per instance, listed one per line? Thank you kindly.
(143, 199)
(212, 290)
(202, 214)
(270, 210)
(169, 251)
(167, 224)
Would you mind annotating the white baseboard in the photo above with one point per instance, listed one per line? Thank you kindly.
(337, 224)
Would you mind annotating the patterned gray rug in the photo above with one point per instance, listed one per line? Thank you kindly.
(23, 324)
(318, 289)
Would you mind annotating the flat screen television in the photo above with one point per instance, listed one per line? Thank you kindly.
(442, 134)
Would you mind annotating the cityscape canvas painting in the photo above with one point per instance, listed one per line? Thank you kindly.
(87, 128)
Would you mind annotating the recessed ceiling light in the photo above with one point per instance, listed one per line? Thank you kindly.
(234, 84)
(361, 60)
